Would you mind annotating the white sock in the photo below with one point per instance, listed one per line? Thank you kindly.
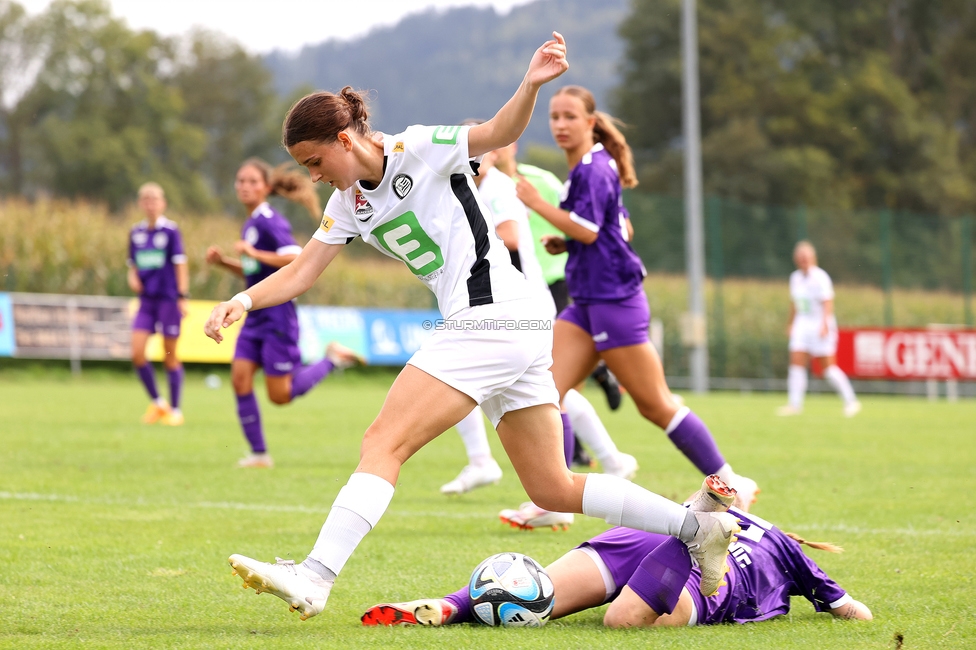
(589, 428)
(726, 474)
(474, 437)
(838, 379)
(796, 385)
(356, 510)
(622, 503)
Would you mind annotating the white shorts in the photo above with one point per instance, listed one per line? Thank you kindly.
(501, 369)
(805, 337)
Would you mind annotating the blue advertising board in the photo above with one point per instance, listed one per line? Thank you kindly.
(7, 345)
(384, 337)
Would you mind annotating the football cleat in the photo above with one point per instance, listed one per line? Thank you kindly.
(155, 412)
(304, 591)
(713, 496)
(788, 410)
(473, 476)
(608, 382)
(746, 492)
(343, 357)
(429, 611)
(256, 460)
(710, 548)
(173, 419)
(852, 409)
(624, 465)
(530, 516)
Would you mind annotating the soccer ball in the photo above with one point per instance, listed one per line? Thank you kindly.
(510, 590)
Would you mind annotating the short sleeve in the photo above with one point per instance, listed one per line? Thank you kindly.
(282, 239)
(177, 254)
(826, 286)
(442, 148)
(336, 227)
(585, 199)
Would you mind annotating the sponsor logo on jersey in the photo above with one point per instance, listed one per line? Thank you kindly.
(160, 240)
(402, 184)
(327, 223)
(398, 147)
(445, 135)
(364, 211)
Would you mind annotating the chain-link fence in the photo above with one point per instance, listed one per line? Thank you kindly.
(876, 256)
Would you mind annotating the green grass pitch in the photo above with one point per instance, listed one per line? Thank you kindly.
(116, 535)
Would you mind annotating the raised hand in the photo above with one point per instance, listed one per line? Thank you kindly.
(549, 61)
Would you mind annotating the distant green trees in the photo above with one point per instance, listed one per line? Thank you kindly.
(835, 103)
(91, 108)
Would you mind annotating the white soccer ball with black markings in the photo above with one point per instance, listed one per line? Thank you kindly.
(511, 590)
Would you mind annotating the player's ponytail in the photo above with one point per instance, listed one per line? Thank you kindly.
(320, 117)
(606, 131)
(820, 546)
(288, 182)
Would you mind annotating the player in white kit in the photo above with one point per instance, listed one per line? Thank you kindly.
(411, 196)
(510, 219)
(813, 332)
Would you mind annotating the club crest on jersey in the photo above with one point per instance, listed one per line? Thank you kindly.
(160, 239)
(140, 238)
(402, 184)
(364, 211)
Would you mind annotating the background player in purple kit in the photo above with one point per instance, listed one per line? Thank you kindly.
(269, 338)
(158, 274)
(650, 581)
(609, 317)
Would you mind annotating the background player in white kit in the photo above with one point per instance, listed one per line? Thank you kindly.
(410, 196)
(813, 332)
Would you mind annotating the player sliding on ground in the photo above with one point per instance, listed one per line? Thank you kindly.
(410, 195)
(649, 579)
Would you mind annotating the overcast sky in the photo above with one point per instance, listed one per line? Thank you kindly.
(265, 25)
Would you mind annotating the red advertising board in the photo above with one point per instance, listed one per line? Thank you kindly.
(907, 354)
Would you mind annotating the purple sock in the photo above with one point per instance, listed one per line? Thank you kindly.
(307, 376)
(460, 600)
(250, 416)
(694, 440)
(569, 440)
(148, 376)
(175, 386)
(662, 575)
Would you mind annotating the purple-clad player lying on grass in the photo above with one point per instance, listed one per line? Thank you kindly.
(649, 580)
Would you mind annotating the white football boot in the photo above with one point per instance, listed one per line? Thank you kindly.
(428, 611)
(530, 516)
(852, 409)
(710, 548)
(474, 476)
(623, 465)
(788, 410)
(746, 492)
(303, 590)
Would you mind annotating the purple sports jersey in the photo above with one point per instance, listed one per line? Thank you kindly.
(267, 230)
(154, 252)
(608, 269)
(767, 567)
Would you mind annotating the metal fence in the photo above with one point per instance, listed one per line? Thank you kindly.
(884, 249)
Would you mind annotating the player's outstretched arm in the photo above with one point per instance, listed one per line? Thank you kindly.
(548, 62)
(281, 286)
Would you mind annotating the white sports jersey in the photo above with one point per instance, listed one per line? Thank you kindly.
(498, 192)
(809, 291)
(426, 212)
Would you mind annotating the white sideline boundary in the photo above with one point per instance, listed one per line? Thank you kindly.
(397, 512)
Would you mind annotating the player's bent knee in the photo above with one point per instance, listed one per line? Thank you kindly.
(280, 398)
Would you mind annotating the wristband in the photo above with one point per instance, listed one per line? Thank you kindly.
(245, 300)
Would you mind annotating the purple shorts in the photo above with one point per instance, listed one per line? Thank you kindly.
(622, 550)
(158, 315)
(612, 324)
(276, 354)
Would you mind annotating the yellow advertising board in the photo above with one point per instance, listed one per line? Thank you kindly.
(193, 345)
